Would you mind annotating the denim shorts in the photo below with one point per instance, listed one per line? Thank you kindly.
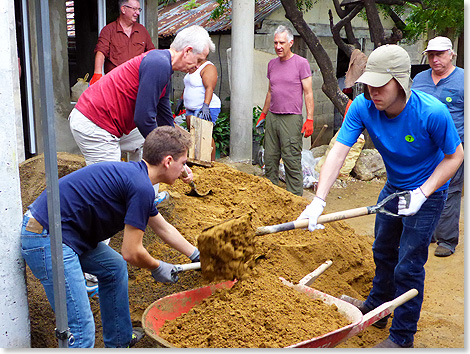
(214, 113)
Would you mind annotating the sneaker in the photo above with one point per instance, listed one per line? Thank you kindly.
(441, 251)
(137, 334)
(91, 288)
(90, 277)
(381, 324)
(388, 343)
(161, 197)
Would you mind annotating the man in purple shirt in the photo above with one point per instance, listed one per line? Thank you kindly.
(289, 76)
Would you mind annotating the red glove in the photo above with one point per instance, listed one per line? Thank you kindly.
(95, 78)
(261, 119)
(307, 128)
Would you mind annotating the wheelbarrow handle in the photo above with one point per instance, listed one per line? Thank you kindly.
(378, 313)
(311, 277)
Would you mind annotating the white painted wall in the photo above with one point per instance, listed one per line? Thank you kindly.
(14, 315)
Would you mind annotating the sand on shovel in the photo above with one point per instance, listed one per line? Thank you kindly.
(226, 249)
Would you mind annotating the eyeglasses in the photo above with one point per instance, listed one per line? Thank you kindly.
(136, 9)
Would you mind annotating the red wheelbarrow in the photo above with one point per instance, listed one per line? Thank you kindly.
(172, 306)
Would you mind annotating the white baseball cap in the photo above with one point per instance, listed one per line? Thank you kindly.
(388, 62)
(439, 44)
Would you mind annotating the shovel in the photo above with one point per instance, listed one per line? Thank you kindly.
(193, 192)
(340, 215)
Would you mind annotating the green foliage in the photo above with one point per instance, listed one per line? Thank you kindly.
(191, 4)
(445, 17)
(305, 5)
(221, 133)
(224, 5)
(257, 136)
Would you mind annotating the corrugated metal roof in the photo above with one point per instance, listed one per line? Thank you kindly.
(174, 17)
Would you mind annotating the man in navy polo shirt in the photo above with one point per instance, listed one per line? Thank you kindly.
(96, 202)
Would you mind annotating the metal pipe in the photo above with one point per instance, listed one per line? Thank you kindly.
(50, 160)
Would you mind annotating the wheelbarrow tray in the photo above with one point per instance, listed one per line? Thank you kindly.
(172, 306)
(358, 324)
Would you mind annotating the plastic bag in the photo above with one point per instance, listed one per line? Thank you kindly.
(310, 176)
(79, 87)
(350, 160)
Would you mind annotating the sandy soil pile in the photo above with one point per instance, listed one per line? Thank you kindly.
(291, 254)
(257, 312)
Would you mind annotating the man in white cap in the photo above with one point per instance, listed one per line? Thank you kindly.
(421, 149)
(446, 82)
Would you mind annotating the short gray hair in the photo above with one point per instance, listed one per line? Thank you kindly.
(284, 29)
(121, 3)
(194, 36)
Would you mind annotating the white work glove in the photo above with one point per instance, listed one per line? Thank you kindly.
(165, 273)
(312, 212)
(417, 198)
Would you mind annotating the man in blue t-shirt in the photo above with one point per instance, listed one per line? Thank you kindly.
(96, 202)
(417, 139)
(446, 82)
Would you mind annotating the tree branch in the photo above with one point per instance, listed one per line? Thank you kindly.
(335, 30)
(376, 29)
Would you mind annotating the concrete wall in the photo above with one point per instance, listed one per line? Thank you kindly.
(14, 314)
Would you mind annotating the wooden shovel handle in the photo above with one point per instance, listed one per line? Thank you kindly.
(303, 223)
(185, 174)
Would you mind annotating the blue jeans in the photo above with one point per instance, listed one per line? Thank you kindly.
(400, 251)
(214, 113)
(111, 271)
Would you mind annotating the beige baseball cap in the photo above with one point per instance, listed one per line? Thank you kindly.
(439, 44)
(388, 62)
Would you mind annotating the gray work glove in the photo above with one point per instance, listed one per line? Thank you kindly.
(165, 273)
(194, 257)
(205, 113)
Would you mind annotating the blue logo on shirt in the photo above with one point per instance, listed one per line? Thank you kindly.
(409, 138)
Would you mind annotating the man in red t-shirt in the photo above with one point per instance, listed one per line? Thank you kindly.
(121, 40)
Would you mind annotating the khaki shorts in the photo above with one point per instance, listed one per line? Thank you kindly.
(96, 144)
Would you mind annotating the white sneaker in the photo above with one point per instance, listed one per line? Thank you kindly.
(91, 278)
(161, 197)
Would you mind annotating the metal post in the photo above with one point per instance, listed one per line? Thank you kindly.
(50, 159)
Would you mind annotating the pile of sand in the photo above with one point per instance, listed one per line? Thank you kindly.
(291, 254)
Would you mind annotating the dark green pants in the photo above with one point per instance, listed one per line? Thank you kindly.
(283, 139)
